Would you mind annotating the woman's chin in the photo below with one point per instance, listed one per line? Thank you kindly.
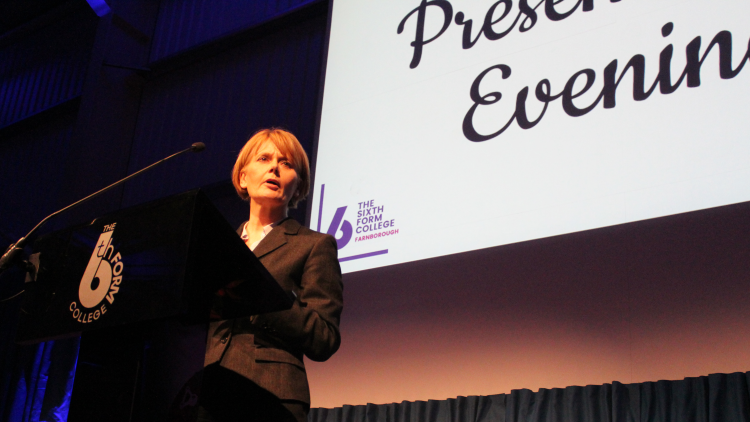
(271, 201)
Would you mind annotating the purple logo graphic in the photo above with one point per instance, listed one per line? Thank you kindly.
(346, 227)
(338, 223)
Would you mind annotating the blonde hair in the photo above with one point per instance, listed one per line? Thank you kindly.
(287, 145)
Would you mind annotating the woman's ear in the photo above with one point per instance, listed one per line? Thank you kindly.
(295, 197)
(243, 185)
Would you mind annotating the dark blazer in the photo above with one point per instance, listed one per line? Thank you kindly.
(268, 348)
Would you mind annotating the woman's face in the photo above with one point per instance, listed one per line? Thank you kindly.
(269, 177)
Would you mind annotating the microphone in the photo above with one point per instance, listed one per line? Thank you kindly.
(12, 255)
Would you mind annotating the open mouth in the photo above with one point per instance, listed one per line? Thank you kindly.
(273, 182)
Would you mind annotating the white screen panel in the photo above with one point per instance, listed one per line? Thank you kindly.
(402, 174)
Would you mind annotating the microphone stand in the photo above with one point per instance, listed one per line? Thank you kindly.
(14, 252)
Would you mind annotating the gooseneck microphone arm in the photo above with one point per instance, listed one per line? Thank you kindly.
(14, 251)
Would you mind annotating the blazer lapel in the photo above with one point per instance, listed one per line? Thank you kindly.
(277, 237)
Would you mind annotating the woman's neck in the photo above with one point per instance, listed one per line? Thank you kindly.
(261, 216)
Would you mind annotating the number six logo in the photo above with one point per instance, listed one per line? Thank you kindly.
(346, 228)
(97, 279)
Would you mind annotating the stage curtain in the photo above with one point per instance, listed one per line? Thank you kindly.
(42, 382)
(35, 380)
(712, 398)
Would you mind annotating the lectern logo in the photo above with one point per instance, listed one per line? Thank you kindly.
(101, 279)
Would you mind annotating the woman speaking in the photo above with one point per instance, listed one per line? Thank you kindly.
(254, 367)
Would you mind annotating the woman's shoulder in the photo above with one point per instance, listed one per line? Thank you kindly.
(292, 226)
(310, 240)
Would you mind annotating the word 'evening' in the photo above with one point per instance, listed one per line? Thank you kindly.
(637, 65)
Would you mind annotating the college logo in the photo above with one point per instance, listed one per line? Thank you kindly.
(101, 280)
(337, 223)
(371, 223)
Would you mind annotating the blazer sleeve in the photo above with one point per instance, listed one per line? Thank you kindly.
(312, 324)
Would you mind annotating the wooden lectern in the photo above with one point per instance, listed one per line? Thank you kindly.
(140, 286)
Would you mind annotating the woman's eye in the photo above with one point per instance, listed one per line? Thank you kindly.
(262, 158)
(287, 164)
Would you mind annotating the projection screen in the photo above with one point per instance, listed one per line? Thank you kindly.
(456, 125)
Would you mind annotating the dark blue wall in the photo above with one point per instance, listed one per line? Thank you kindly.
(45, 67)
(141, 83)
(223, 100)
(184, 24)
(86, 100)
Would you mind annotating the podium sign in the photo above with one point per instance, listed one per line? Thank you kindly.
(168, 258)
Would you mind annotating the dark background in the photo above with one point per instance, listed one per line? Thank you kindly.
(86, 100)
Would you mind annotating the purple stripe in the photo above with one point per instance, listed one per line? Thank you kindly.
(320, 210)
(364, 255)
